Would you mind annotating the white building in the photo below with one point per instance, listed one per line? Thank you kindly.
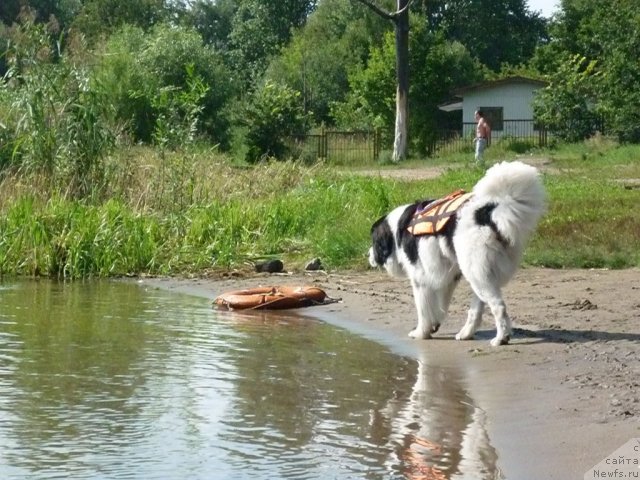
(506, 103)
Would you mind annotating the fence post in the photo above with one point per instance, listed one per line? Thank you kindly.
(322, 144)
(376, 144)
(542, 136)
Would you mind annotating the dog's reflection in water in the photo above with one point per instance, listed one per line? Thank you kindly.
(435, 432)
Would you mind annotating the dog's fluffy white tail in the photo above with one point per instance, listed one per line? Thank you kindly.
(517, 191)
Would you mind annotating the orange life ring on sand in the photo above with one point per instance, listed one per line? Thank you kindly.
(271, 298)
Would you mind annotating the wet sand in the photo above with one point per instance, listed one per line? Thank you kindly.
(563, 395)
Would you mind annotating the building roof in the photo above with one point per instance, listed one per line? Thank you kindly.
(451, 106)
(495, 83)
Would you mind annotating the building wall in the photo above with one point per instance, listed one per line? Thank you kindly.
(515, 99)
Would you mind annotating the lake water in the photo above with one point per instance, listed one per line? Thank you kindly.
(112, 380)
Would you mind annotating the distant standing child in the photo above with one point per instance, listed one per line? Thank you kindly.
(483, 135)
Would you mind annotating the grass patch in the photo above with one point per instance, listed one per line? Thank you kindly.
(591, 223)
(191, 212)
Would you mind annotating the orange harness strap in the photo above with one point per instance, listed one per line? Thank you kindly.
(432, 218)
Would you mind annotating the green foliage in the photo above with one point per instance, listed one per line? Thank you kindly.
(621, 74)
(213, 21)
(150, 74)
(437, 66)
(605, 37)
(100, 17)
(178, 112)
(371, 100)
(41, 11)
(294, 212)
(495, 32)
(281, 210)
(159, 73)
(259, 29)
(572, 235)
(57, 119)
(9, 10)
(566, 105)
(316, 62)
(516, 145)
(273, 113)
(119, 71)
(70, 240)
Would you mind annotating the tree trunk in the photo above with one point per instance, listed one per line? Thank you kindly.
(400, 19)
(402, 81)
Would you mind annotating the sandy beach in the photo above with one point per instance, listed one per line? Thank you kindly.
(558, 399)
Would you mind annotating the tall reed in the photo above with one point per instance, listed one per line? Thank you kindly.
(198, 213)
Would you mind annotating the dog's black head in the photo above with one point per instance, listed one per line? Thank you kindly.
(382, 242)
(388, 234)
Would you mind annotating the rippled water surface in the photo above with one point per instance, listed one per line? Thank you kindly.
(112, 380)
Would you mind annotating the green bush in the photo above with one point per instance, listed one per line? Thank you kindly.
(150, 75)
(273, 113)
(566, 106)
(57, 119)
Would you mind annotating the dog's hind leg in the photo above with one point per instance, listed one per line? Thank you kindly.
(492, 296)
(474, 318)
(503, 322)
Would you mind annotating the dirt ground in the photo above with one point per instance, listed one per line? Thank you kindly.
(560, 397)
(426, 172)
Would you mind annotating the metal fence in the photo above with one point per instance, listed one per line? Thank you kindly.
(518, 135)
(337, 146)
(361, 147)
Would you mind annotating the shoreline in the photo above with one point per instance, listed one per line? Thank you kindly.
(558, 399)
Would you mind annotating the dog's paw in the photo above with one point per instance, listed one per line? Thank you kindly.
(419, 334)
(464, 334)
(497, 341)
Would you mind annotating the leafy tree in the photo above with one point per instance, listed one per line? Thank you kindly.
(272, 113)
(102, 17)
(213, 20)
(610, 35)
(400, 19)
(336, 39)
(606, 37)
(42, 10)
(437, 66)
(620, 87)
(260, 28)
(179, 112)
(494, 31)
(567, 105)
(578, 29)
(502, 32)
(371, 100)
(138, 68)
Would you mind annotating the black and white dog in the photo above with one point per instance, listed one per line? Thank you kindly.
(483, 241)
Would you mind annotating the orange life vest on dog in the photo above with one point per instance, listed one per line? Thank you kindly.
(433, 217)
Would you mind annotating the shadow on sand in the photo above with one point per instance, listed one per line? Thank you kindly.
(560, 335)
